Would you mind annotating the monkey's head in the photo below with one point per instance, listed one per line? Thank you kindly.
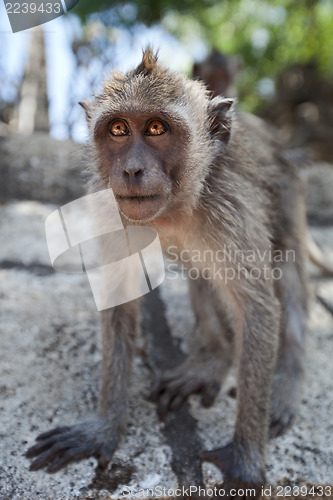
(154, 135)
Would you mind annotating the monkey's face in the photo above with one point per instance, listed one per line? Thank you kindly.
(154, 137)
(140, 158)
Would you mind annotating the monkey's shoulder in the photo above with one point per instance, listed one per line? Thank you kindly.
(255, 151)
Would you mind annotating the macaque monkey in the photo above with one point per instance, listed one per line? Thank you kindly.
(219, 72)
(206, 177)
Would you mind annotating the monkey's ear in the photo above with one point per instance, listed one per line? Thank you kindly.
(87, 106)
(220, 111)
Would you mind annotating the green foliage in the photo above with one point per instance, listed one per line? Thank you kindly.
(267, 35)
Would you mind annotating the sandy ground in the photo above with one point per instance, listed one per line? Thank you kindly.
(50, 369)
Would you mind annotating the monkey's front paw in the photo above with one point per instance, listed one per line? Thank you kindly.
(56, 448)
(243, 471)
(191, 377)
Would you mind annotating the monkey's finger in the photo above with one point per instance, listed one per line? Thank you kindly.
(177, 402)
(59, 463)
(165, 402)
(156, 392)
(281, 425)
(163, 405)
(175, 394)
(69, 456)
(106, 457)
(169, 379)
(104, 460)
(233, 392)
(213, 456)
(106, 453)
(53, 432)
(47, 456)
(209, 394)
(188, 387)
(275, 430)
(39, 448)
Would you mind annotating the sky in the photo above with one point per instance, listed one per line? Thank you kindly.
(61, 71)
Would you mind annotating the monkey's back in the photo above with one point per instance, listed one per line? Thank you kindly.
(261, 160)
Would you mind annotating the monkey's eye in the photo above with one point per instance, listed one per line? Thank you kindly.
(118, 127)
(156, 127)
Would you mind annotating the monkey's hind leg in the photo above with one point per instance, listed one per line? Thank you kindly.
(287, 382)
(207, 365)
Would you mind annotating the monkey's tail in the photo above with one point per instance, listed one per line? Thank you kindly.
(317, 257)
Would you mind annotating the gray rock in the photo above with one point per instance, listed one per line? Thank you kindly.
(38, 167)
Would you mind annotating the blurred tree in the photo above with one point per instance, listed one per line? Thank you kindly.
(32, 108)
(267, 34)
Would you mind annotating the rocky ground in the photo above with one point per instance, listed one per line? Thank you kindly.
(50, 369)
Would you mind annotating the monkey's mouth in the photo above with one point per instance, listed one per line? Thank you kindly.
(139, 198)
(140, 207)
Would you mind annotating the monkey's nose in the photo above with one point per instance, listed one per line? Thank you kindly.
(133, 171)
